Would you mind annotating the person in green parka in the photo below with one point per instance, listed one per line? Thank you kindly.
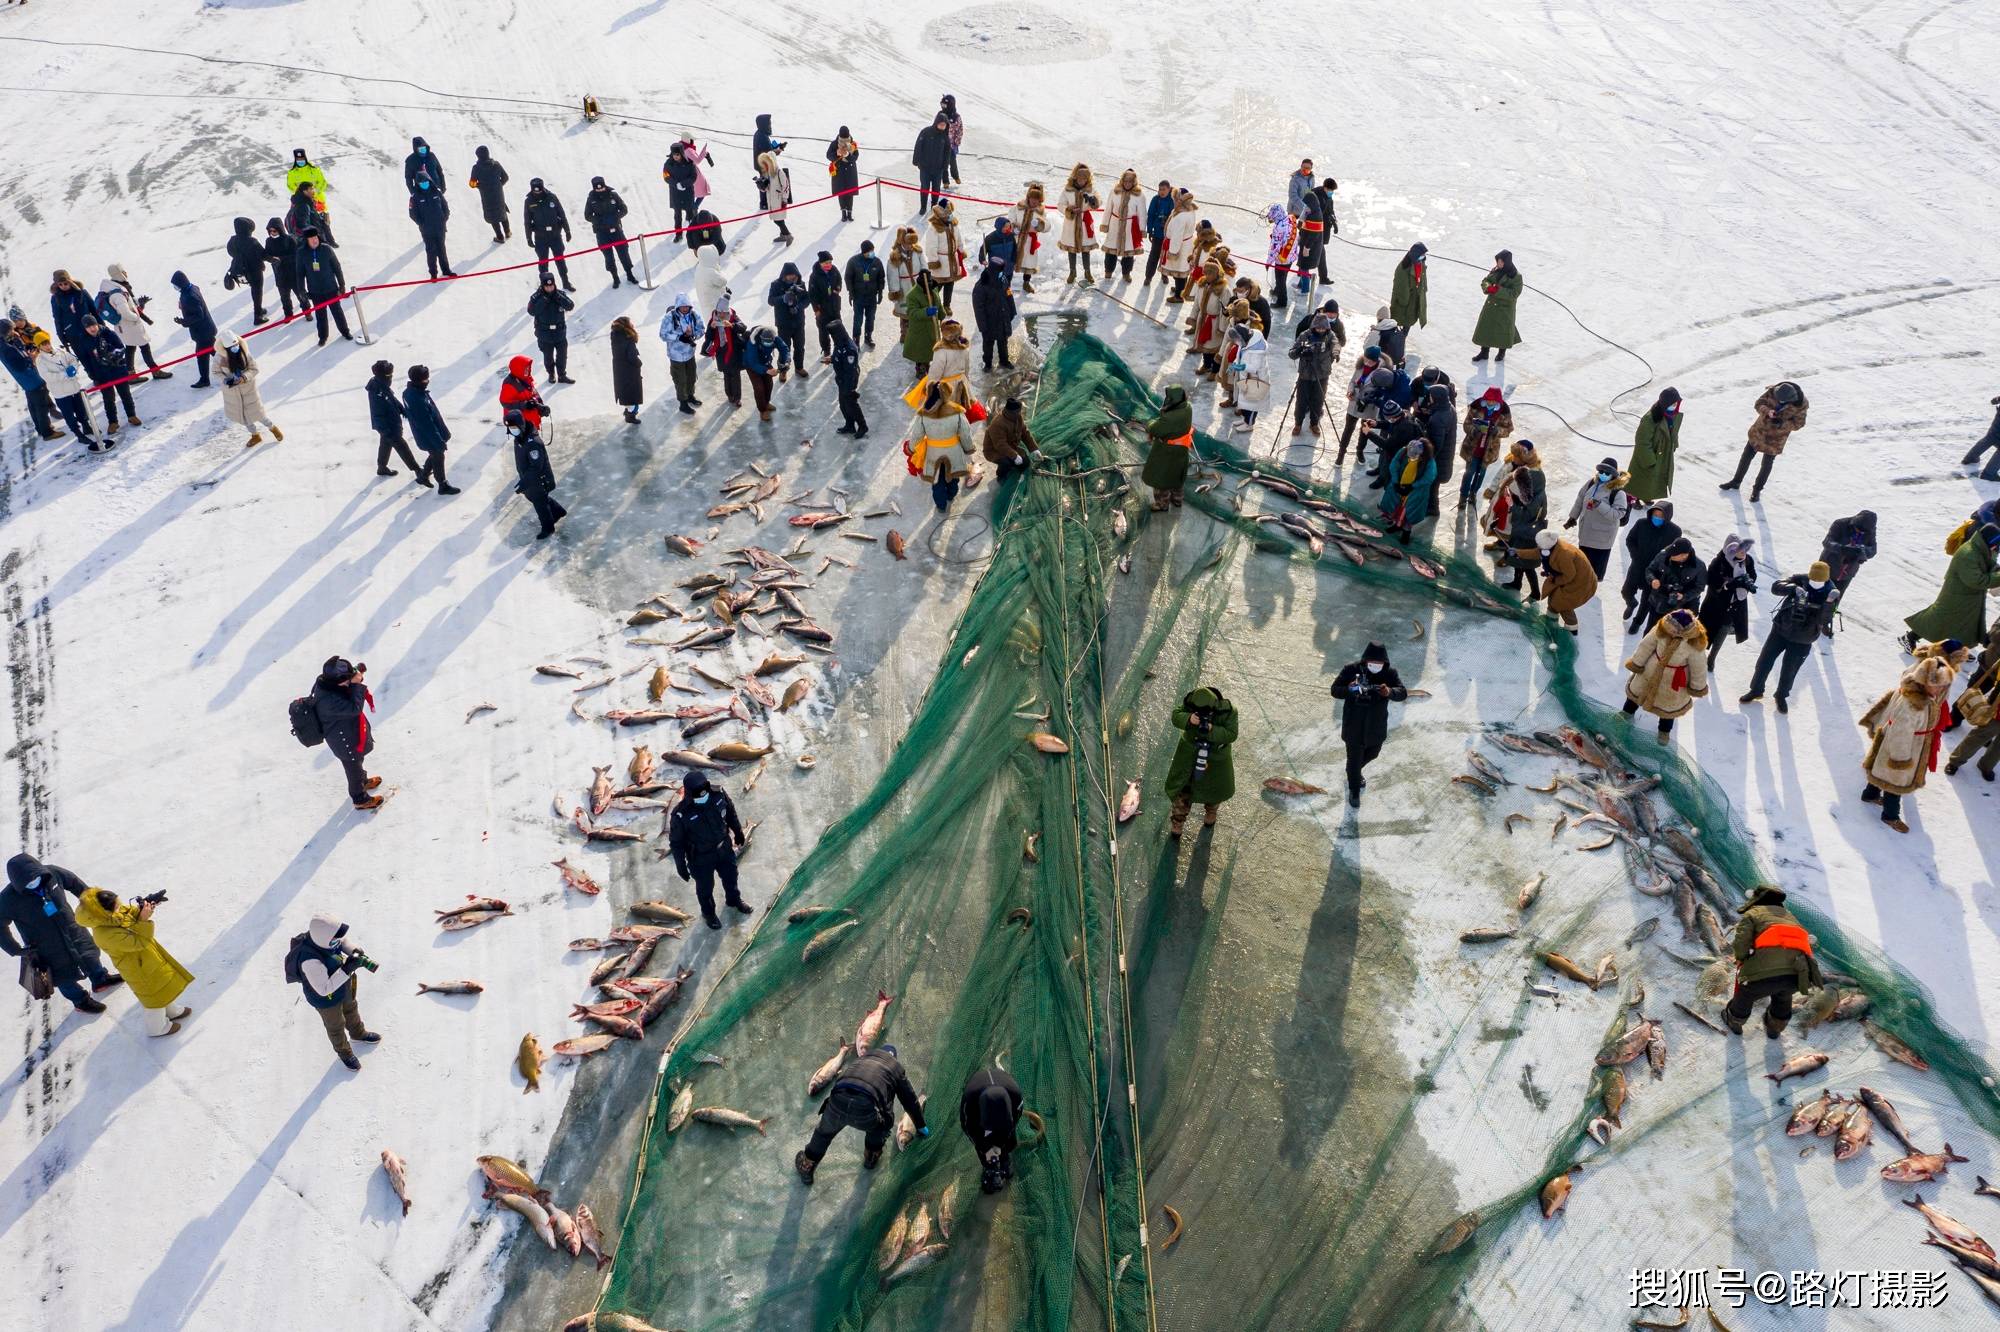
(921, 315)
(1960, 609)
(1654, 444)
(1203, 772)
(1172, 437)
(1410, 296)
(1495, 331)
(124, 931)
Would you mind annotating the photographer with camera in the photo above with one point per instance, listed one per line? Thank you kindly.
(328, 969)
(124, 930)
(340, 703)
(1365, 689)
(1202, 770)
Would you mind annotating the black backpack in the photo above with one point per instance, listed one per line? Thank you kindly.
(305, 722)
(294, 955)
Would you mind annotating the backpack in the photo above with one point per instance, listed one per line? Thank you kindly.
(294, 955)
(107, 313)
(306, 728)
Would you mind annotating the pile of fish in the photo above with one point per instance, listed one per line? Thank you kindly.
(513, 1188)
(913, 1242)
(1850, 1120)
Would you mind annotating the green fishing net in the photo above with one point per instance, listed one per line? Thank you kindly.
(1270, 1027)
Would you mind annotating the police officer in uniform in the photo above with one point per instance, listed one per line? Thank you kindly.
(704, 834)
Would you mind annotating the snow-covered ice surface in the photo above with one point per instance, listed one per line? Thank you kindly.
(1740, 192)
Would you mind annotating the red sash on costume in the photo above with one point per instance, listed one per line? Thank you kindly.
(1089, 224)
(1133, 218)
(1680, 677)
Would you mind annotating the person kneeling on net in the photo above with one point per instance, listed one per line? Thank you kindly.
(1202, 771)
(989, 1110)
(1774, 961)
(860, 1099)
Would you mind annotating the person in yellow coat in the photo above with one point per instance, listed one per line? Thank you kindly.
(940, 445)
(1669, 669)
(124, 932)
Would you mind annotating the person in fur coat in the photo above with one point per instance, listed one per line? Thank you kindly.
(905, 261)
(1209, 322)
(1669, 669)
(1031, 223)
(944, 253)
(1078, 235)
(774, 190)
(1177, 245)
(1905, 729)
(1124, 224)
(241, 402)
(1488, 421)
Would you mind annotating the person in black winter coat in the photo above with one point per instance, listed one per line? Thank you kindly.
(1725, 603)
(726, 342)
(865, 282)
(341, 700)
(430, 211)
(325, 283)
(281, 252)
(703, 837)
(823, 290)
(1989, 440)
(843, 157)
(534, 478)
(761, 138)
(490, 179)
(1649, 536)
(550, 309)
(789, 298)
(1396, 428)
(864, 1097)
(605, 212)
(105, 360)
(628, 383)
(681, 175)
(706, 231)
(1438, 415)
(993, 314)
(1365, 689)
(1675, 581)
(428, 428)
(422, 164)
(932, 159)
(303, 213)
(989, 1113)
(385, 418)
(199, 323)
(1805, 612)
(246, 265)
(36, 917)
(1849, 544)
(1315, 349)
(846, 361)
(546, 228)
(68, 304)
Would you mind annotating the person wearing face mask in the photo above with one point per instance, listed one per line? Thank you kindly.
(1568, 580)
(550, 309)
(431, 212)
(1410, 292)
(545, 226)
(1725, 605)
(604, 212)
(703, 836)
(1602, 506)
(1655, 441)
(1365, 689)
(1203, 771)
(1648, 537)
(1669, 669)
(535, 479)
(1781, 410)
(1674, 581)
(37, 923)
(422, 164)
(1905, 727)
(1488, 422)
(1806, 608)
(1496, 332)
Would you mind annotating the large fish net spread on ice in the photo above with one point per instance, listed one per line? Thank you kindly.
(1273, 1028)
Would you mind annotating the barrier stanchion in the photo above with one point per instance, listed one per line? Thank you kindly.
(360, 318)
(879, 223)
(645, 262)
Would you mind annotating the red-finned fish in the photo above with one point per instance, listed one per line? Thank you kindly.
(870, 1030)
(576, 878)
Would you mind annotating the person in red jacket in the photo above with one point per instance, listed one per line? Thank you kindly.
(517, 391)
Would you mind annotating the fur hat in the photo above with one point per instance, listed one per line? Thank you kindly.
(1546, 540)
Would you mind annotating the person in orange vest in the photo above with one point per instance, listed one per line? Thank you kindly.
(1170, 437)
(1774, 961)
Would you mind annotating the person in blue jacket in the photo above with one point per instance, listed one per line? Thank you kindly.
(866, 280)
(1001, 247)
(20, 363)
(681, 329)
(69, 303)
(430, 211)
(766, 357)
(428, 429)
(1158, 209)
(199, 323)
(1406, 498)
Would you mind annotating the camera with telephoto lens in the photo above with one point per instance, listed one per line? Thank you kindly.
(150, 899)
(1204, 717)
